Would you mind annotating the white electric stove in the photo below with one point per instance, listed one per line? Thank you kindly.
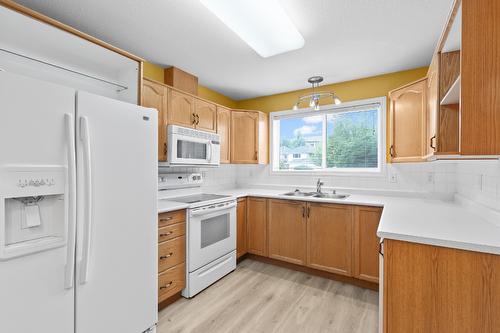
(211, 232)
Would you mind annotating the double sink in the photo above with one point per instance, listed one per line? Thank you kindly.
(299, 193)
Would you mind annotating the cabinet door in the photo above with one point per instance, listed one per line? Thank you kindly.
(154, 95)
(257, 226)
(206, 115)
(366, 243)
(241, 227)
(244, 137)
(181, 109)
(329, 238)
(287, 231)
(432, 105)
(408, 129)
(224, 130)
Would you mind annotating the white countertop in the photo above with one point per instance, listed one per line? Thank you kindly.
(169, 206)
(420, 220)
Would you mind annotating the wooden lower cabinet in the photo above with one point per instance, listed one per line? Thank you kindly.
(287, 228)
(366, 243)
(257, 226)
(439, 290)
(171, 253)
(329, 237)
(171, 281)
(241, 227)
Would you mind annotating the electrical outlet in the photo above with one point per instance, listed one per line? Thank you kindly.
(430, 177)
(393, 178)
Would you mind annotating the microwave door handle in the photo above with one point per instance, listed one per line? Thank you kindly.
(209, 151)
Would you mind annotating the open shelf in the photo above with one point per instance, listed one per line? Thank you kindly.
(453, 94)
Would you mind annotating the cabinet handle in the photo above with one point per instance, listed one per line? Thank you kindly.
(165, 148)
(166, 234)
(391, 151)
(308, 211)
(432, 144)
(380, 248)
(197, 119)
(193, 122)
(166, 219)
(256, 155)
(303, 211)
(166, 286)
(166, 256)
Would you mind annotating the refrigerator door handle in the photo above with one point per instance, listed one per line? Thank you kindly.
(71, 154)
(87, 228)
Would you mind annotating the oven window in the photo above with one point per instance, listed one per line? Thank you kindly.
(214, 229)
(192, 150)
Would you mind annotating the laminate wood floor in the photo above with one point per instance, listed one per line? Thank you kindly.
(258, 297)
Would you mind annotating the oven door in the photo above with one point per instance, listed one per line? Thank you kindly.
(189, 150)
(211, 233)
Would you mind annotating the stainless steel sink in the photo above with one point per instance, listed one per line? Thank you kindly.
(330, 195)
(299, 193)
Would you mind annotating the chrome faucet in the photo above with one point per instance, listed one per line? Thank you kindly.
(319, 183)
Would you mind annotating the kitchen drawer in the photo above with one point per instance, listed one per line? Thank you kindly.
(171, 231)
(171, 253)
(169, 218)
(171, 282)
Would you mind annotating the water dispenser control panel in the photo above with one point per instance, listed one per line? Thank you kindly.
(33, 209)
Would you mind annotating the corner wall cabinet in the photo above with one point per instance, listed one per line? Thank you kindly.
(155, 96)
(463, 113)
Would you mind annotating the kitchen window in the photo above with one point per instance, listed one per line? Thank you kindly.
(345, 139)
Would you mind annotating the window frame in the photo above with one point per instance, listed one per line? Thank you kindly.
(329, 109)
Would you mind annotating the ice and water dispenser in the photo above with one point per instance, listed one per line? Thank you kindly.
(34, 209)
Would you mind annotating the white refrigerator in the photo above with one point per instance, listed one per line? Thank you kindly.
(78, 208)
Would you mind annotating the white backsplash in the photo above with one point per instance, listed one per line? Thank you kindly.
(478, 181)
(435, 177)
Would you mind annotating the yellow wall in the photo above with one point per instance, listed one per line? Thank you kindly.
(370, 87)
(156, 73)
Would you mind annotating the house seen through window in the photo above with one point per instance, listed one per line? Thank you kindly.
(342, 138)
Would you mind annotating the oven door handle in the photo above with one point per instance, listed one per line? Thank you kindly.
(211, 210)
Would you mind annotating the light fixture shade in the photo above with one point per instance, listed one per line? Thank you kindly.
(295, 107)
(262, 24)
(337, 100)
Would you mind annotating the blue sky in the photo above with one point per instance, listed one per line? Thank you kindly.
(312, 125)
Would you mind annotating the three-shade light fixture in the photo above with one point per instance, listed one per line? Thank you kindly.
(315, 96)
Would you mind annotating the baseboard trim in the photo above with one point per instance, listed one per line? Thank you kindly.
(172, 299)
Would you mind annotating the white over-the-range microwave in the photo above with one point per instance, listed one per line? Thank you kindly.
(190, 147)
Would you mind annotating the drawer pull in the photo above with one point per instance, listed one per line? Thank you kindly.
(166, 286)
(166, 234)
(166, 219)
(166, 256)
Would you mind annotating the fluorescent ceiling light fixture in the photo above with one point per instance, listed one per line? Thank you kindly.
(262, 24)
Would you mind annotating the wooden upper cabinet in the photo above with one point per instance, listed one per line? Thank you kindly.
(480, 83)
(287, 231)
(241, 227)
(257, 226)
(154, 95)
(366, 243)
(181, 109)
(249, 137)
(206, 115)
(449, 115)
(224, 130)
(433, 106)
(408, 111)
(329, 237)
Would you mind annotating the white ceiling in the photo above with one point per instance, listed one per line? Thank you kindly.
(345, 39)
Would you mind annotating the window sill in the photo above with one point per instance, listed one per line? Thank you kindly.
(348, 173)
